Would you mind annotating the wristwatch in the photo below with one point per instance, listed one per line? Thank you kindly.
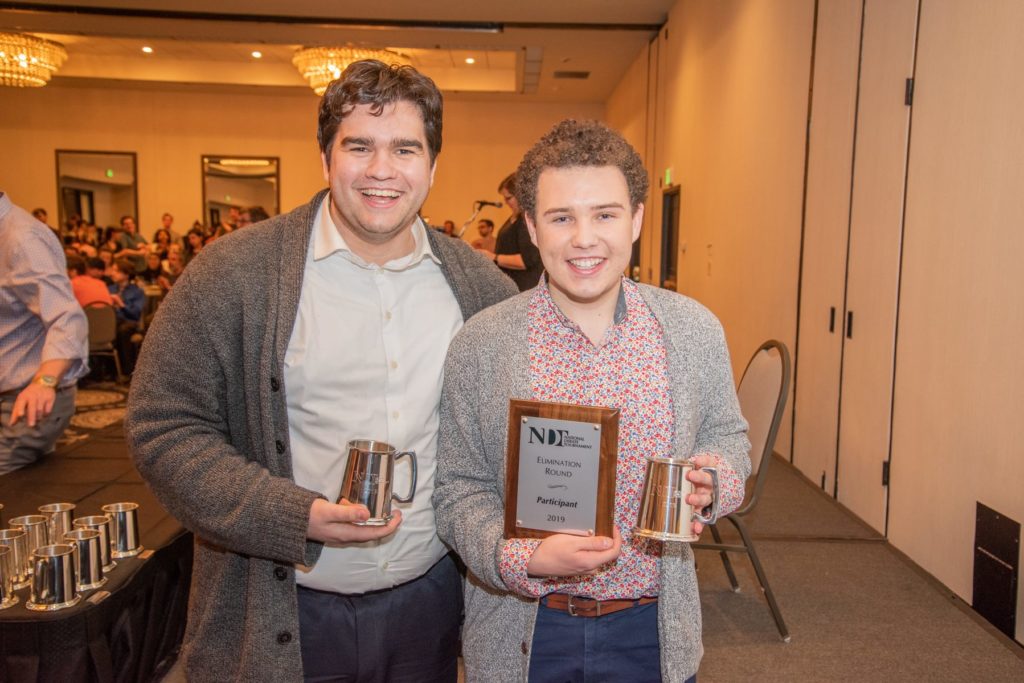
(48, 381)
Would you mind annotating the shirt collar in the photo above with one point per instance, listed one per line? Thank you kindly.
(327, 241)
(621, 305)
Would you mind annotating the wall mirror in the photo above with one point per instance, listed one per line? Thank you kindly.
(239, 182)
(98, 187)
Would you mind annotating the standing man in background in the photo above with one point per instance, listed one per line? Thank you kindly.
(43, 339)
(486, 240)
(282, 343)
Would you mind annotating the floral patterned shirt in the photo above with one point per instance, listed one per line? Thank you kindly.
(628, 370)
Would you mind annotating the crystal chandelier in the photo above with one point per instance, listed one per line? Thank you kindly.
(321, 65)
(27, 61)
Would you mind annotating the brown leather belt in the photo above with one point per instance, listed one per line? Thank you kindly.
(586, 607)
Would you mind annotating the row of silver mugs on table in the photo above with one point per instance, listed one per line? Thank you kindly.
(60, 556)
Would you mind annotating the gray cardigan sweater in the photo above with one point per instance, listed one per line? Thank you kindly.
(207, 426)
(488, 363)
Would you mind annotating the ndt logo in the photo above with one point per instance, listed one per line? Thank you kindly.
(550, 437)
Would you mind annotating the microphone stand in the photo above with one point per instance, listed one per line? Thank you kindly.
(478, 207)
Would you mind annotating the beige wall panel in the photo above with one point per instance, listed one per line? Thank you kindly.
(732, 125)
(171, 128)
(829, 169)
(876, 223)
(626, 111)
(957, 429)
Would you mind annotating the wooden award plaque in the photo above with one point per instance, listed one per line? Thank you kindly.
(560, 469)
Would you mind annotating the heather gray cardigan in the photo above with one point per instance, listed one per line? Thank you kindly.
(487, 364)
(208, 428)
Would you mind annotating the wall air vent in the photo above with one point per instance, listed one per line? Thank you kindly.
(573, 75)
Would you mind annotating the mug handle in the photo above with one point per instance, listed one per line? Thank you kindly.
(713, 517)
(412, 484)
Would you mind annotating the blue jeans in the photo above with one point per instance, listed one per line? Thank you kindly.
(622, 646)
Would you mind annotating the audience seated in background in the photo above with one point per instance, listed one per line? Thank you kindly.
(162, 241)
(253, 214)
(154, 269)
(194, 241)
(111, 239)
(167, 223)
(88, 289)
(107, 258)
(95, 267)
(172, 268)
(129, 300)
(132, 244)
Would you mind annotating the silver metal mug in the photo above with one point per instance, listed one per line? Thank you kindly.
(124, 529)
(60, 518)
(89, 571)
(7, 596)
(37, 528)
(664, 513)
(100, 523)
(21, 556)
(53, 578)
(369, 476)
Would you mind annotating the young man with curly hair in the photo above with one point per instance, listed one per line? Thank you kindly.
(572, 607)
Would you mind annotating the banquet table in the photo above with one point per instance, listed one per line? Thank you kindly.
(130, 628)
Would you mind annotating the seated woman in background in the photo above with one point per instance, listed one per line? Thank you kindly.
(111, 237)
(193, 244)
(161, 243)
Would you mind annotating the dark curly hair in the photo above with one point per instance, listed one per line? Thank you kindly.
(579, 143)
(377, 84)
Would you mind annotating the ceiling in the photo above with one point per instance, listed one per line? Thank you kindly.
(519, 46)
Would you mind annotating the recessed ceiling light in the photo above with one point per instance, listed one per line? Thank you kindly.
(257, 54)
(147, 49)
(470, 60)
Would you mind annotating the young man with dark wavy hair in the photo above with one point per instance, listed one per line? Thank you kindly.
(278, 345)
(576, 607)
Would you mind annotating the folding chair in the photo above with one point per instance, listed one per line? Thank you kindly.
(762, 395)
(103, 333)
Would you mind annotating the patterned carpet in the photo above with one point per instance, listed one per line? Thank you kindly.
(96, 407)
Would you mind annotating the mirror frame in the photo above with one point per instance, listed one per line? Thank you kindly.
(61, 218)
(202, 178)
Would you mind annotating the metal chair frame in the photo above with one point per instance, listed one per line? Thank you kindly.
(736, 517)
(103, 333)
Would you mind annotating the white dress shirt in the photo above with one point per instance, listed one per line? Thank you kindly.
(365, 361)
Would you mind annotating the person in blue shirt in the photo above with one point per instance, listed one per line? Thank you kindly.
(129, 300)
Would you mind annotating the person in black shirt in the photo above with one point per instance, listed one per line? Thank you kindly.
(515, 253)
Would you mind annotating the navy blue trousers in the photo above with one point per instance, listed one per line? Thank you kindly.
(407, 634)
(622, 646)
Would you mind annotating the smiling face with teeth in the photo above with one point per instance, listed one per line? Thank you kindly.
(379, 174)
(584, 228)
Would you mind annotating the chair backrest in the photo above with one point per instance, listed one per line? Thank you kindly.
(102, 327)
(762, 394)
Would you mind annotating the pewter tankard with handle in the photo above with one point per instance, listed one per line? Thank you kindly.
(664, 513)
(369, 478)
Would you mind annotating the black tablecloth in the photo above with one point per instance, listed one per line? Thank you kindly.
(133, 633)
